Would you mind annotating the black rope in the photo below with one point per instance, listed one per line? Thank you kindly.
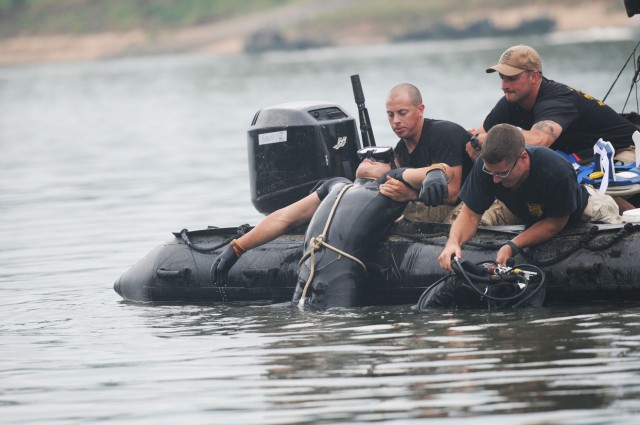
(423, 237)
(581, 243)
(494, 246)
(586, 241)
(184, 235)
(620, 234)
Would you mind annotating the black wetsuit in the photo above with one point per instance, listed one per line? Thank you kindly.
(360, 217)
(583, 119)
(440, 142)
(551, 190)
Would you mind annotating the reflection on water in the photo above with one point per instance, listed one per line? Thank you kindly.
(102, 160)
(274, 364)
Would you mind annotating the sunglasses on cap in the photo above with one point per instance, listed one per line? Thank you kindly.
(378, 154)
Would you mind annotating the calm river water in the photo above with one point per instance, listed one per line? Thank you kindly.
(102, 160)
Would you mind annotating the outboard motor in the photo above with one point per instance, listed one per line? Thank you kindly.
(632, 7)
(294, 146)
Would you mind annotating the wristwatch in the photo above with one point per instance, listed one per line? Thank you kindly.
(475, 144)
(514, 248)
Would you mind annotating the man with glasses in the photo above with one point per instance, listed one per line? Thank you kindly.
(535, 183)
(552, 114)
(345, 222)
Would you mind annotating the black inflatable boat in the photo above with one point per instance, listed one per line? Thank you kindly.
(590, 262)
(294, 146)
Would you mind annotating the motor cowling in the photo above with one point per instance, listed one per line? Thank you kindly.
(293, 146)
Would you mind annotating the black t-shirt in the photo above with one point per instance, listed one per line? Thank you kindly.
(583, 119)
(440, 141)
(551, 190)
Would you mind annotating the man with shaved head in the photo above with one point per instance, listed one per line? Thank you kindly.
(424, 142)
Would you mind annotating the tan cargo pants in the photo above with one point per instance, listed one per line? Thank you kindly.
(600, 207)
(498, 214)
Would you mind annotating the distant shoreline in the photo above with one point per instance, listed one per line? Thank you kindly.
(230, 36)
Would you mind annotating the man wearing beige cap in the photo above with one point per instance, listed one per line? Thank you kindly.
(549, 113)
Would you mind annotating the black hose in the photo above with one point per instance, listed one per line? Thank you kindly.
(421, 301)
(490, 282)
(482, 282)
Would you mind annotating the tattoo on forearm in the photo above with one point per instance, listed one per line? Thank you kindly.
(545, 127)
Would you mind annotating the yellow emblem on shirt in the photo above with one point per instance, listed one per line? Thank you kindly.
(535, 210)
(587, 96)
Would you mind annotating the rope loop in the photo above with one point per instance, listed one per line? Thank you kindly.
(318, 242)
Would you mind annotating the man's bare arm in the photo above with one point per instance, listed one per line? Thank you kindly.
(278, 222)
(399, 192)
(543, 133)
(415, 176)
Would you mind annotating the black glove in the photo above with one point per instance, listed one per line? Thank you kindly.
(434, 188)
(222, 264)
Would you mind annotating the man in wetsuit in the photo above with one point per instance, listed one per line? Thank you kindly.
(552, 114)
(345, 221)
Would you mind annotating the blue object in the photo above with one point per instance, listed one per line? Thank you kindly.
(583, 171)
(574, 160)
(583, 176)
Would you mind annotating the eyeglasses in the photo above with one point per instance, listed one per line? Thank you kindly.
(501, 176)
(377, 154)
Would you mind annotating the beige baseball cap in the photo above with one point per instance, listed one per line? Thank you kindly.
(516, 59)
